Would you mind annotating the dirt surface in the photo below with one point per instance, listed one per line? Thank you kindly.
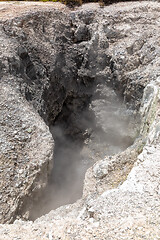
(10, 10)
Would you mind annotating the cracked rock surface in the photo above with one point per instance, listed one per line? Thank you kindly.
(22, 171)
(46, 49)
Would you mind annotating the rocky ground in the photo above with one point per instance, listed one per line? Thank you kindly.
(56, 63)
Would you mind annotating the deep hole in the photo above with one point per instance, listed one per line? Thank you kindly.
(79, 143)
(80, 92)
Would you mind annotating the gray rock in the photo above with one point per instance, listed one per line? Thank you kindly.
(48, 78)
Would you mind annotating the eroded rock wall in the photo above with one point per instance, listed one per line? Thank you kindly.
(55, 63)
(26, 153)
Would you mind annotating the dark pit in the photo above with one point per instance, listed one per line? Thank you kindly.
(66, 71)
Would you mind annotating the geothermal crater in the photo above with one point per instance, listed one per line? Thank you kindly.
(86, 112)
(81, 100)
(72, 85)
(86, 130)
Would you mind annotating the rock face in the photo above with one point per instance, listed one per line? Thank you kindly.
(26, 153)
(66, 69)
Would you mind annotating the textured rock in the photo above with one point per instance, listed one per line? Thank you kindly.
(26, 152)
(59, 69)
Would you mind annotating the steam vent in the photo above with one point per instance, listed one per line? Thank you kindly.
(79, 121)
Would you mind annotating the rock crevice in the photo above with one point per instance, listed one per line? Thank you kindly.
(78, 77)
